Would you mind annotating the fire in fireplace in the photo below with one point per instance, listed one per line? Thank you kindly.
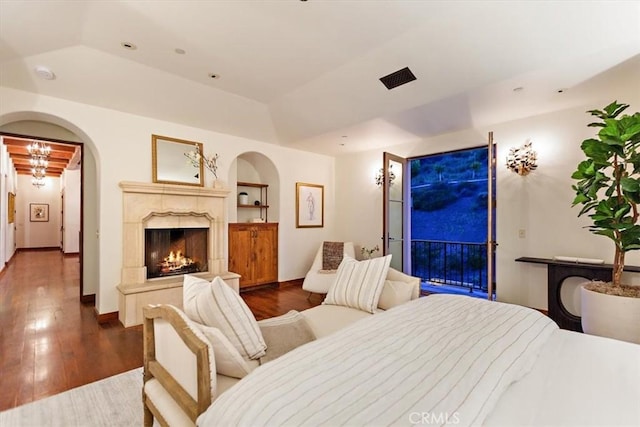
(175, 251)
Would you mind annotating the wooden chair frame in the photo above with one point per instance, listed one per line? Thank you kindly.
(153, 369)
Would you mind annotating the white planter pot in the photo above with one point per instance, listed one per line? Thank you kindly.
(610, 316)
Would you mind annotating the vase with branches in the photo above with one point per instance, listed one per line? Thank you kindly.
(211, 163)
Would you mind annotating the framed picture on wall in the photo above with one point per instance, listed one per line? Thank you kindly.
(309, 205)
(39, 212)
(11, 208)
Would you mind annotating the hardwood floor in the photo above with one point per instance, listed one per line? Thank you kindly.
(50, 342)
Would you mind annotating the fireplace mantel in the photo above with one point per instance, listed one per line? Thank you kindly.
(150, 205)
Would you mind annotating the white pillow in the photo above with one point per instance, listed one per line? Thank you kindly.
(216, 304)
(359, 284)
(229, 362)
(394, 292)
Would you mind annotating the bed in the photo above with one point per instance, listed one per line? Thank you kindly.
(441, 360)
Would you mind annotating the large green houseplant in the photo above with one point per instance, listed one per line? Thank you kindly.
(608, 188)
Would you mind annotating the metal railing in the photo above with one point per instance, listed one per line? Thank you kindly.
(450, 263)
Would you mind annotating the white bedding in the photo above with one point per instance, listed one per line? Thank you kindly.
(578, 380)
(434, 360)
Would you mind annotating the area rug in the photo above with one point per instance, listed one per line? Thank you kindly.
(114, 401)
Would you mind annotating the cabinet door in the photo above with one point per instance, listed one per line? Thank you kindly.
(241, 258)
(266, 253)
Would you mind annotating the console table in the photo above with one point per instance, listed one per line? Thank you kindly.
(557, 272)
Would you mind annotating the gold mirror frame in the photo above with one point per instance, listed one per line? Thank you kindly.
(170, 163)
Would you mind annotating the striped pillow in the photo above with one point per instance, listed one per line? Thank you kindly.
(216, 304)
(359, 284)
(229, 362)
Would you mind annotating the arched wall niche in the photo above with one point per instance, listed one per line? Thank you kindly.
(47, 126)
(256, 168)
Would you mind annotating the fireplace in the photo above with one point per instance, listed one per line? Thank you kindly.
(158, 219)
(175, 251)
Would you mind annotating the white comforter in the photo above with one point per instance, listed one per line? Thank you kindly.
(436, 360)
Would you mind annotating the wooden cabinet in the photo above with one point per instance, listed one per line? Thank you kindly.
(253, 253)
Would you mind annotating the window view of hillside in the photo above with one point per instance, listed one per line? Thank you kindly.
(449, 196)
(449, 221)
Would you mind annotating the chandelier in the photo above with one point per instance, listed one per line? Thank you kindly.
(39, 161)
(37, 182)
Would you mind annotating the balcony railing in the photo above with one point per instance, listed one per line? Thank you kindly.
(450, 263)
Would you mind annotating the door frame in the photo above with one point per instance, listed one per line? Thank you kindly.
(87, 298)
(387, 158)
(406, 192)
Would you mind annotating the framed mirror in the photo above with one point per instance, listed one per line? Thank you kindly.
(170, 163)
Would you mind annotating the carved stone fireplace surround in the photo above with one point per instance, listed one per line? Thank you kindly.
(147, 205)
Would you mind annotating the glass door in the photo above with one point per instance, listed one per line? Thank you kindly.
(395, 217)
(491, 213)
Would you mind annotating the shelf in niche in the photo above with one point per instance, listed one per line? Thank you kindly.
(263, 190)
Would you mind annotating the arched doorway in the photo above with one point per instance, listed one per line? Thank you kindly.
(45, 127)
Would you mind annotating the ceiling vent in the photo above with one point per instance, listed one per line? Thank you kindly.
(398, 78)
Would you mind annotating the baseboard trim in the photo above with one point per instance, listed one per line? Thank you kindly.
(45, 248)
(71, 254)
(88, 299)
(106, 317)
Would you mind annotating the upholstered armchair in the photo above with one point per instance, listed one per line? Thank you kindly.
(318, 280)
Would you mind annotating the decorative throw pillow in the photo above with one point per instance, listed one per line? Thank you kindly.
(394, 293)
(216, 304)
(359, 284)
(229, 361)
(332, 253)
(284, 333)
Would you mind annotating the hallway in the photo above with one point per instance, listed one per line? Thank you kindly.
(49, 341)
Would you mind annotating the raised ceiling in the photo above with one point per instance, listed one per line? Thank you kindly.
(306, 74)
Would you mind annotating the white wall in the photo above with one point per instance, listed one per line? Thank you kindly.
(121, 144)
(37, 234)
(7, 185)
(91, 224)
(71, 188)
(539, 203)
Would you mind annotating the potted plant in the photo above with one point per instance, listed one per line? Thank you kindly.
(608, 189)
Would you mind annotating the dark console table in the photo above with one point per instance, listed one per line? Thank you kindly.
(557, 272)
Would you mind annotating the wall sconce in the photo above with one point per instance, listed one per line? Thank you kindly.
(380, 176)
(522, 160)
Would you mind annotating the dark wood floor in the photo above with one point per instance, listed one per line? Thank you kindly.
(50, 342)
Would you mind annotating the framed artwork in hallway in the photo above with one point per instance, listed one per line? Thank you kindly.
(11, 208)
(39, 212)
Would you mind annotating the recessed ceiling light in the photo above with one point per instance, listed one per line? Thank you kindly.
(128, 45)
(180, 51)
(214, 75)
(518, 89)
(44, 73)
(561, 90)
